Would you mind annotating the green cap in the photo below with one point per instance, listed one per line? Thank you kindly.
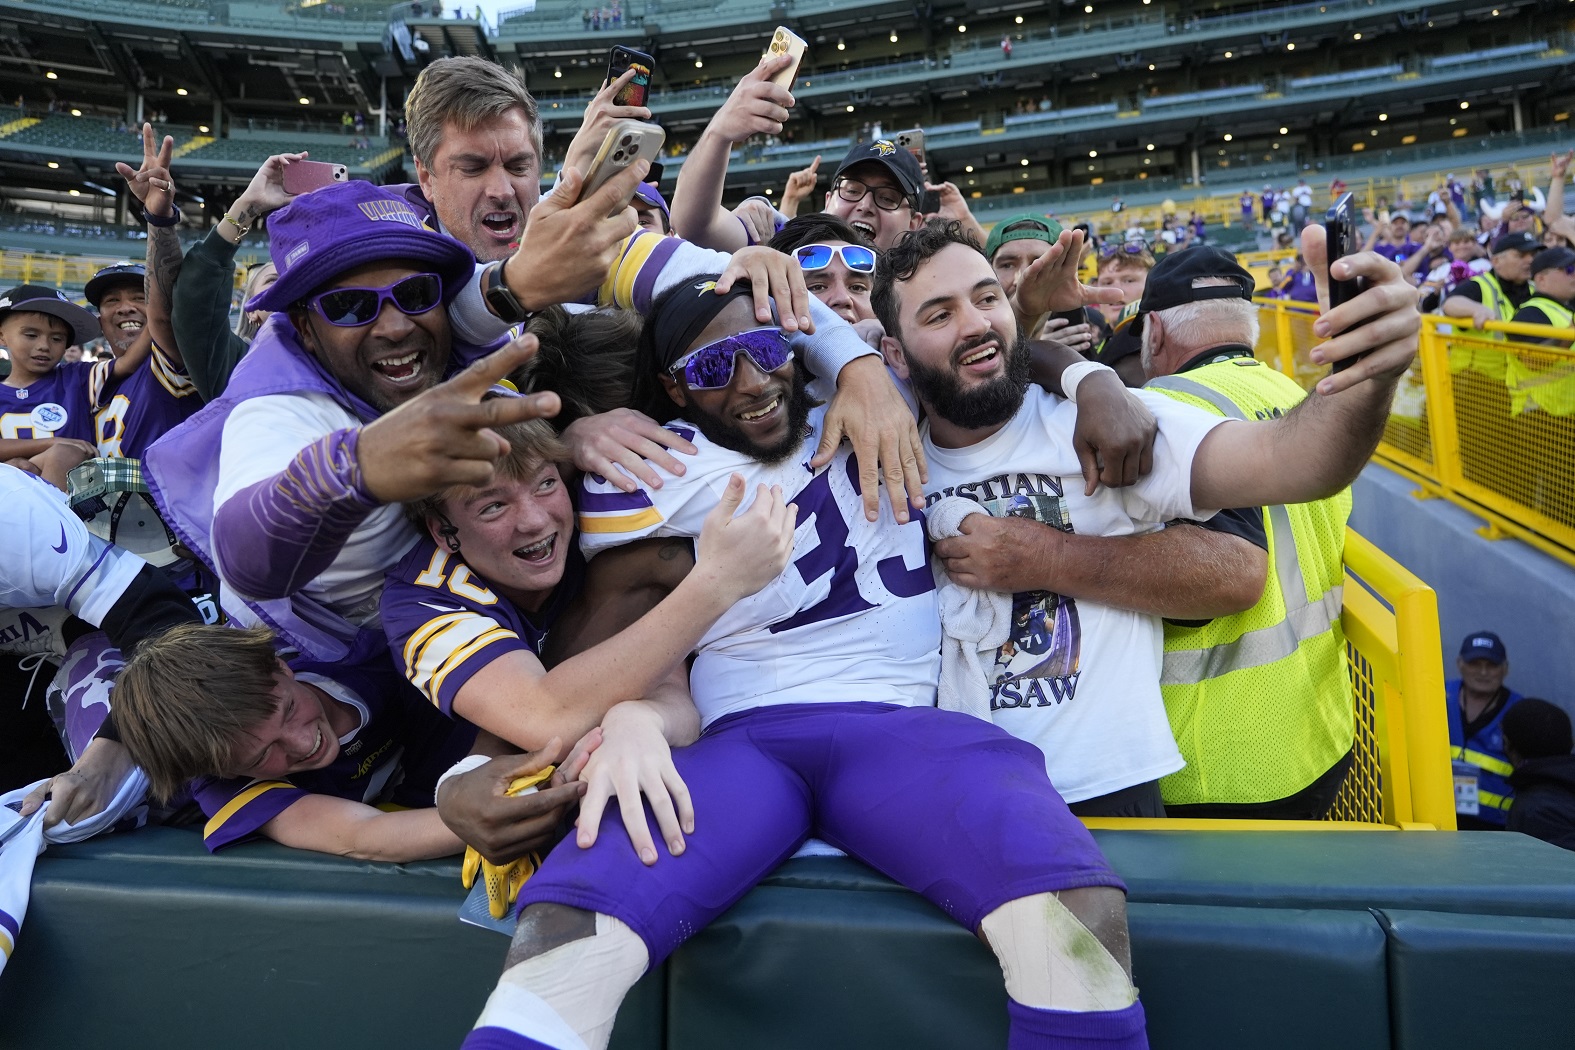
(1026, 227)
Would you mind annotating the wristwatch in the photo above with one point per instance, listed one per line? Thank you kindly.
(162, 220)
(503, 302)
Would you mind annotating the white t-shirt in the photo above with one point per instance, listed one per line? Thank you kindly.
(1078, 679)
(852, 618)
(261, 437)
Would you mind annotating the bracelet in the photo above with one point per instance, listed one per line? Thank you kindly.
(233, 221)
(162, 221)
(464, 765)
(1074, 374)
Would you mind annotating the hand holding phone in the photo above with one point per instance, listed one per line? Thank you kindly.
(1342, 239)
(626, 142)
(786, 42)
(637, 91)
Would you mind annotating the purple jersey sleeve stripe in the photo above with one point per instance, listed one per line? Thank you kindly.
(650, 270)
(242, 816)
(10, 925)
(467, 663)
(591, 500)
(86, 576)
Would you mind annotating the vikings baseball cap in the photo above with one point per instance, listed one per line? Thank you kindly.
(648, 194)
(1517, 242)
(681, 316)
(1170, 282)
(1027, 227)
(320, 235)
(35, 298)
(100, 283)
(1552, 259)
(1483, 645)
(904, 166)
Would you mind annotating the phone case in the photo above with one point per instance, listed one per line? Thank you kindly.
(638, 91)
(785, 41)
(627, 141)
(1340, 240)
(304, 176)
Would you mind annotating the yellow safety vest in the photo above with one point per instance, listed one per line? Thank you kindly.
(1259, 702)
(1551, 388)
(1485, 360)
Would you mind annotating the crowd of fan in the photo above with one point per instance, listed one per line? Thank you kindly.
(498, 501)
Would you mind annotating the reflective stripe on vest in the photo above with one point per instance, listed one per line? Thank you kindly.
(1482, 761)
(1499, 301)
(1304, 618)
(1492, 801)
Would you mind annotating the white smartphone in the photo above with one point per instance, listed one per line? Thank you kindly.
(627, 141)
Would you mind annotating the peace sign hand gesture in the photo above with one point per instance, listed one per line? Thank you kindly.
(151, 184)
(443, 437)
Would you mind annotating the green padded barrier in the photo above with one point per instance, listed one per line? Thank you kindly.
(867, 966)
(1468, 982)
(1214, 978)
(1475, 872)
(144, 940)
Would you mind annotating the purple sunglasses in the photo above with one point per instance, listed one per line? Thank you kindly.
(710, 367)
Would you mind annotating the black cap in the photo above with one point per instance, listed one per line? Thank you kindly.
(904, 167)
(37, 299)
(1536, 728)
(110, 276)
(1517, 242)
(1552, 259)
(1170, 282)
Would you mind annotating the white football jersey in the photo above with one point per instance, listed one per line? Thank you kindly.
(852, 618)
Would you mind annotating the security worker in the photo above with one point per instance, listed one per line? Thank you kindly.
(1477, 702)
(1259, 701)
(1542, 390)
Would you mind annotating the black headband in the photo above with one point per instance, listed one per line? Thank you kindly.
(686, 313)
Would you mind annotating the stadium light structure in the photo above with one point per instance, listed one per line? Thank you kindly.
(1229, 136)
(893, 36)
(53, 164)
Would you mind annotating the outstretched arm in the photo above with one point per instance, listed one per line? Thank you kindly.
(326, 824)
(1320, 446)
(756, 106)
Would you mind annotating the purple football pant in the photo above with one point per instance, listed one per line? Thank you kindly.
(951, 806)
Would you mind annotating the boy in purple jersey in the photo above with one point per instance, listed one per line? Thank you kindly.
(134, 410)
(44, 402)
(302, 753)
(818, 697)
(468, 610)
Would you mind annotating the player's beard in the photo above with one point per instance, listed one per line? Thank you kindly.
(725, 433)
(989, 404)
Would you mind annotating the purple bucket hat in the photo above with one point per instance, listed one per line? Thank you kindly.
(321, 234)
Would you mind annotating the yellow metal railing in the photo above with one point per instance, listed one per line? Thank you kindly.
(1400, 775)
(73, 271)
(1484, 419)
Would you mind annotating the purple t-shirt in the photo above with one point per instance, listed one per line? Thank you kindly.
(136, 411)
(1301, 286)
(58, 405)
(396, 755)
(444, 623)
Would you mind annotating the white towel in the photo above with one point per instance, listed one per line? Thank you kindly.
(22, 839)
(973, 622)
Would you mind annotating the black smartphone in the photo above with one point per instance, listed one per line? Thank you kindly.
(638, 91)
(1342, 239)
(930, 202)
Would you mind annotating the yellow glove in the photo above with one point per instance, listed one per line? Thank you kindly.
(503, 881)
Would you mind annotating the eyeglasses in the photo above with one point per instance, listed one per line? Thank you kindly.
(856, 257)
(354, 307)
(887, 198)
(711, 366)
(1109, 249)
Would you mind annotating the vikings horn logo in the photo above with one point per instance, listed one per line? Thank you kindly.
(701, 287)
(884, 147)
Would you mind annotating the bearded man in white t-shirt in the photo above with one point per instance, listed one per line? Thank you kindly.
(1079, 678)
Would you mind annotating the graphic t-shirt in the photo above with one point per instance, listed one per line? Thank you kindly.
(1079, 679)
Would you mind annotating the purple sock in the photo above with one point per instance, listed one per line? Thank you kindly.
(494, 1038)
(1035, 1029)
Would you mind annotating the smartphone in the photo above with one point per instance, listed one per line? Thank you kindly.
(304, 176)
(638, 91)
(785, 41)
(912, 140)
(627, 141)
(930, 202)
(1342, 239)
